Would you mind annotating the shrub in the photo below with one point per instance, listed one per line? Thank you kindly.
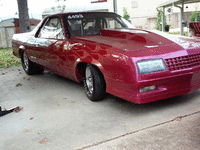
(126, 15)
(195, 16)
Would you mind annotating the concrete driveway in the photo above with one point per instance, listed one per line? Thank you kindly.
(57, 112)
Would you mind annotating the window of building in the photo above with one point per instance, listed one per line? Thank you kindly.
(134, 4)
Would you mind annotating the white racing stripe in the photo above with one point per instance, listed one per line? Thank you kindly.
(183, 41)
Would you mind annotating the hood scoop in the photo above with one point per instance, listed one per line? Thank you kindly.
(135, 38)
(130, 34)
(129, 39)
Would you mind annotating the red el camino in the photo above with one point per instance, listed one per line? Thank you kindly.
(106, 54)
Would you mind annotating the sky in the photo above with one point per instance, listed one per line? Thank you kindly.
(10, 7)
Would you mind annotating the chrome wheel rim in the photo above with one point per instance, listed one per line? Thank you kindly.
(89, 80)
(25, 57)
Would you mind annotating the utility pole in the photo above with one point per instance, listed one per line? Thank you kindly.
(24, 22)
(0, 6)
(115, 6)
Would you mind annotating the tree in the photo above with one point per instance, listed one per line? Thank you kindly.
(159, 20)
(24, 22)
(195, 16)
(125, 14)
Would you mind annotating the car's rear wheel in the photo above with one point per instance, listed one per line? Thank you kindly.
(28, 66)
(94, 83)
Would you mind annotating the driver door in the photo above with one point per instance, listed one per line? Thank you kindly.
(49, 43)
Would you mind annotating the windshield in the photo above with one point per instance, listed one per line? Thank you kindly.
(91, 23)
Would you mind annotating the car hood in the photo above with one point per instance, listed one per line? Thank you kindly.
(138, 40)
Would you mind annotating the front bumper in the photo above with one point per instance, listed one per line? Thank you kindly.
(168, 86)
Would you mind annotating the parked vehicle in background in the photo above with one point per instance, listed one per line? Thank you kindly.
(105, 53)
(194, 29)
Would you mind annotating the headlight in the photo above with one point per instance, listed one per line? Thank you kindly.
(153, 65)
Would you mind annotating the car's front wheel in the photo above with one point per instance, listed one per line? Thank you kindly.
(28, 66)
(94, 83)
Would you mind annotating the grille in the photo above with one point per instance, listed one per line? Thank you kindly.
(183, 62)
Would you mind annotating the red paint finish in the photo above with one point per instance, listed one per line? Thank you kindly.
(116, 52)
(196, 27)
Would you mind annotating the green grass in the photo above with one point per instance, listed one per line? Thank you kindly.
(7, 59)
(178, 33)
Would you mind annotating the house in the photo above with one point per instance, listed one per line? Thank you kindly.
(9, 27)
(143, 13)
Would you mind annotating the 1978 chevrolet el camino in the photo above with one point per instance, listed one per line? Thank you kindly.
(105, 53)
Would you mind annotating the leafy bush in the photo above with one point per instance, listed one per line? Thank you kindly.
(195, 16)
(178, 33)
(126, 15)
(158, 21)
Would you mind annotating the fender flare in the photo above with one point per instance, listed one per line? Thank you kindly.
(86, 61)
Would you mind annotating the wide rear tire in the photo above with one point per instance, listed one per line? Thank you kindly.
(94, 83)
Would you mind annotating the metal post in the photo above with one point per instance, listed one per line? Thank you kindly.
(196, 17)
(181, 18)
(163, 20)
(115, 6)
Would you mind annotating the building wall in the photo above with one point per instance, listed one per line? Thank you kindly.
(174, 21)
(151, 23)
(143, 13)
(6, 34)
(139, 11)
(8, 28)
(7, 23)
(3, 38)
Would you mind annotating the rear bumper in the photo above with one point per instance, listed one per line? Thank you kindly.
(165, 88)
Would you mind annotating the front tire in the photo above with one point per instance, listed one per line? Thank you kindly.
(28, 66)
(94, 83)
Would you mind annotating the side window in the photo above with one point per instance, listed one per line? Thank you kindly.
(79, 27)
(111, 23)
(52, 29)
(89, 27)
(75, 27)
